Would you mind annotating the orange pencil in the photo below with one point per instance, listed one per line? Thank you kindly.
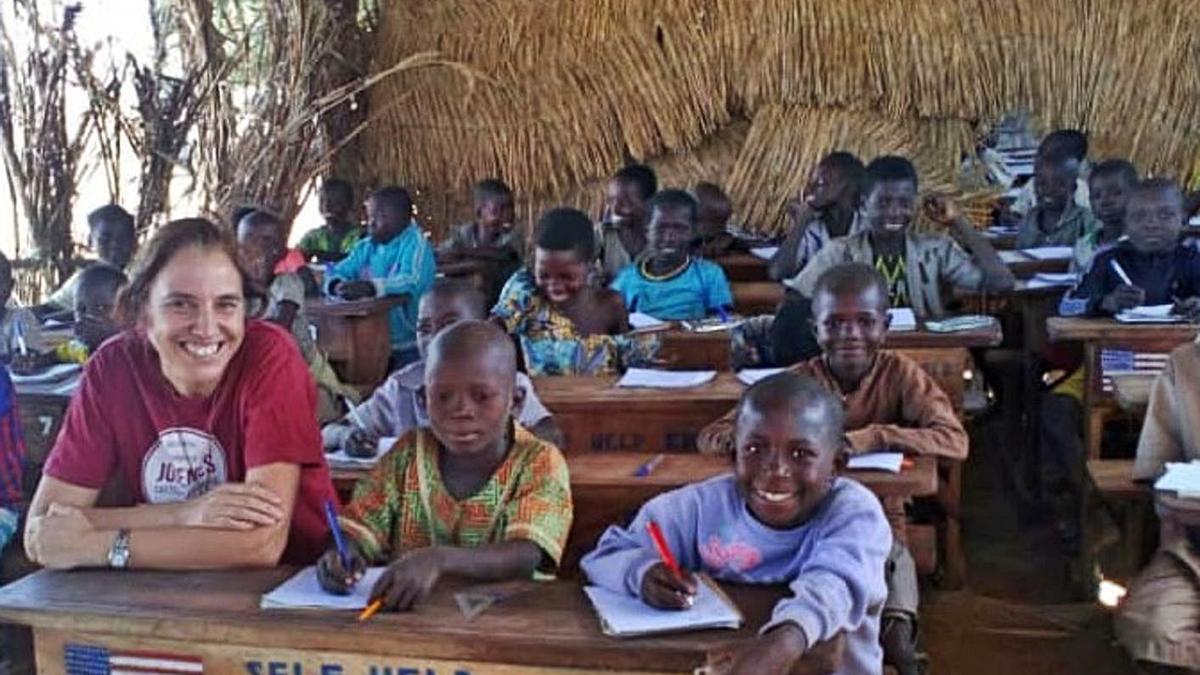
(370, 609)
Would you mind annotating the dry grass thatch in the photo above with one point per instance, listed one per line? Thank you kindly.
(578, 87)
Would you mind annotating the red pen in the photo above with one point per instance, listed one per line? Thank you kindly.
(664, 552)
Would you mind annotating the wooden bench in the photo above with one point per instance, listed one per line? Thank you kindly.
(1132, 503)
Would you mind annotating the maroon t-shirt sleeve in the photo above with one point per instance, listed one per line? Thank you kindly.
(85, 453)
(280, 404)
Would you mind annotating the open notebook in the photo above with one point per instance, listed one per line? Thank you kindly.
(303, 591)
(626, 616)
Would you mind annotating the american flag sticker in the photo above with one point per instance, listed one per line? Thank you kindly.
(91, 660)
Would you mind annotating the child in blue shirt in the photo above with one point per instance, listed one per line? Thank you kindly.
(667, 282)
(395, 259)
(783, 516)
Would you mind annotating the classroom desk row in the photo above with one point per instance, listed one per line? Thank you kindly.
(211, 622)
(605, 490)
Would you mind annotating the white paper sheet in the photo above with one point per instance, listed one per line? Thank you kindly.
(1010, 257)
(1180, 477)
(641, 320)
(303, 591)
(1050, 252)
(764, 252)
(623, 615)
(1149, 314)
(749, 376)
(877, 461)
(903, 319)
(665, 379)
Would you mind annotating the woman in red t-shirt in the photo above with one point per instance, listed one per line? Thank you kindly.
(203, 421)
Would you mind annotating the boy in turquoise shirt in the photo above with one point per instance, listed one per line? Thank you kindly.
(667, 281)
(395, 259)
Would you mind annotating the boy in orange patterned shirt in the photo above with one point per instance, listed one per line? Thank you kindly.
(474, 496)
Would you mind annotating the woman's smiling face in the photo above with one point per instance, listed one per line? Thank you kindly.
(196, 318)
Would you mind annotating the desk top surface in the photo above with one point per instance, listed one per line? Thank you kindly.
(1061, 328)
(615, 470)
(1114, 478)
(603, 390)
(548, 624)
(335, 307)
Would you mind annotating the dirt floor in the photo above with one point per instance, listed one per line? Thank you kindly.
(1017, 614)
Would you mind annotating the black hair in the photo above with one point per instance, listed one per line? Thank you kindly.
(1072, 141)
(640, 175)
(1155, 185)
(788, 389)
(889, 168)
(452, 287)
(100, 274)
(705, 190)
(255, 217)
(567, 229)
(167, 241)
(337, 186)
(675, 199)
(1121, 168)
(849, 166)
(394, 197)
(110, 213)
(853, 277)
(490, 188)
(465, 339)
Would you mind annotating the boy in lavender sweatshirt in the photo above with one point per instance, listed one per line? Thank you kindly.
(783, 516)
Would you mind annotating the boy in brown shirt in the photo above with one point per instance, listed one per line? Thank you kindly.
(890, 404)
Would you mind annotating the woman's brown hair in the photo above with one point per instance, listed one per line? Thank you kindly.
(166, 242)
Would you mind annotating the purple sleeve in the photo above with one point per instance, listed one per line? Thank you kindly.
(836, 587)
(623, 555)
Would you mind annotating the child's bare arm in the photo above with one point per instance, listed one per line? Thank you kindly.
(614, 308)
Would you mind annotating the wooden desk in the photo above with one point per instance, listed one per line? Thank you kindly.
(549, 629)
(683, 349)
(595, 415)
(1029, 266)
(743, 267)
(756, 297)
(1099, 334)
(471, 271)
(1114, 479)
(355, 336)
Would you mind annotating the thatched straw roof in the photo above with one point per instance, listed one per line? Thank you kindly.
(751, 92)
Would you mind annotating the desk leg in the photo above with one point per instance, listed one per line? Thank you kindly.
(1093, 385)
(950, 498)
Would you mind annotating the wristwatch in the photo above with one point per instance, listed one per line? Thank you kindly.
(118, 553)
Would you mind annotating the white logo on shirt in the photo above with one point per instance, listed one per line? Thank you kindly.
(181, 465)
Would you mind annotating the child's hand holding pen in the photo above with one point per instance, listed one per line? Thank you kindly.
(1189, 308)
(664, 589)
(333, 574)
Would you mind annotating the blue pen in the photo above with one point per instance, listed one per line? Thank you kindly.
(338, 538)
(646, 469)
(723, 315)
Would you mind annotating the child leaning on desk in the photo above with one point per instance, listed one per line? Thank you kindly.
(95, 298)
(395, 259)
(1150, 267)
(782, 517)
(889, 402)
(667, 281)
(474, 496)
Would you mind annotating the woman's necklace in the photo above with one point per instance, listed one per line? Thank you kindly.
(687, 260)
